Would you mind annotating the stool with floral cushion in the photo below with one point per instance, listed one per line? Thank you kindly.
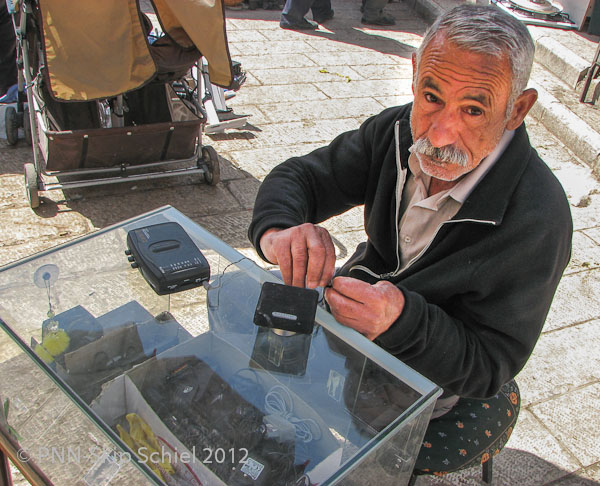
(473, 432)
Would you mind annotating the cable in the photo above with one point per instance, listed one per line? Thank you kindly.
(247, 387)
(276, 403)
(217, 282)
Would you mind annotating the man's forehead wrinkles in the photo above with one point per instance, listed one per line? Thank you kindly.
(444, 68)
(436, 57)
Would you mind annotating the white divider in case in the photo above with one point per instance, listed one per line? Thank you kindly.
(121, 396)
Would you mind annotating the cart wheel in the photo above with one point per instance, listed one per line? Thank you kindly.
(31, 185)
(27, 126)
(210, 162)
(11, 120)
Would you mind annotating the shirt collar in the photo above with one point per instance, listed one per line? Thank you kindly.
(467, 184)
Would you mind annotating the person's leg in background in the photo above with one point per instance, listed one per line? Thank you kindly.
(8, 51)
(292, 15)
(322, 11)
(373, 13)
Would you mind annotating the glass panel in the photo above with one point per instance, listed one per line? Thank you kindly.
(191, 385)
(49, 432)
(393, 461)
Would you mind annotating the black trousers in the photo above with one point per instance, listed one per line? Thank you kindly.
(373, 8)
(294, 10)
(8, 50)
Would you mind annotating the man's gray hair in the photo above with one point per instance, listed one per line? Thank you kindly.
(487, 29)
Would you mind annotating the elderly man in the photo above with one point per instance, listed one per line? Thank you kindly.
(468, 230)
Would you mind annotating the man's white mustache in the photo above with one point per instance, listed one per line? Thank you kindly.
(447, 154)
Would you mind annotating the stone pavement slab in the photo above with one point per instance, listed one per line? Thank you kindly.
(542, 380)
(571, 424)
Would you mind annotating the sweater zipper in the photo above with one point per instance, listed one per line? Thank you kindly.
(397, 272)
(400, 181)
(422, 252)
(400, 185)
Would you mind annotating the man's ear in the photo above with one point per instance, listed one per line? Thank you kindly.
(522, 106)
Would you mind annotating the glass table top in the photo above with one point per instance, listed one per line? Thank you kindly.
(106, 382)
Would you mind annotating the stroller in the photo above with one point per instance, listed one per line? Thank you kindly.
(107, 96)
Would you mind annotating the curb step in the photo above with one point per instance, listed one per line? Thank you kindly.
(552, 110)
(558, 75)
(560, 60)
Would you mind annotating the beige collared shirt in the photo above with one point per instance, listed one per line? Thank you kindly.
(422, 215)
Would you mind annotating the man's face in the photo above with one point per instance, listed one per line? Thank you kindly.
(460, 106)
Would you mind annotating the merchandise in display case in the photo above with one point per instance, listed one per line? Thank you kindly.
(107, 380)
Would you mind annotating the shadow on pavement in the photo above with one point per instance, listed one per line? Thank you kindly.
(517, 467)
(12, 157)
(223, 209)
(349, 30)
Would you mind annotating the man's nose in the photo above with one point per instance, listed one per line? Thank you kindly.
(444, 128)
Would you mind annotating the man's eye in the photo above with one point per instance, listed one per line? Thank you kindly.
(474, 111)
(431, 98)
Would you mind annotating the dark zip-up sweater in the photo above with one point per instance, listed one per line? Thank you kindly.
(477, 298)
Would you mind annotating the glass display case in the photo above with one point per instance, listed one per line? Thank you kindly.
(104, 381)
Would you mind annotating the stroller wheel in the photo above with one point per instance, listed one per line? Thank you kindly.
(210, 163)
(31, 185)
(11, 120)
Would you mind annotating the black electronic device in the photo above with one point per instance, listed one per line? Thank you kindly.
(286, 308)
(167, 257)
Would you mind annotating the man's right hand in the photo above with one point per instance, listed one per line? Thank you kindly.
(305, 254)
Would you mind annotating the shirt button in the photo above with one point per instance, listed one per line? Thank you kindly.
(407, 239)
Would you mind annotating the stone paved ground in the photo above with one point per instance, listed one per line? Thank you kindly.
(302, 90)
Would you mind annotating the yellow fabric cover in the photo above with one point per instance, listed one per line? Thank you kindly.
(96, 50)
(201, 22)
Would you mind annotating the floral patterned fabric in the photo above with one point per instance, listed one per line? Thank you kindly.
(472, 432)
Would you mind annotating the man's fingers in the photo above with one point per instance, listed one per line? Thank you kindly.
(370, 309)
(321, 258)
(287, 249)
(329, 265)
(353, 288)
(316, 258)
(342, 306)
(300, 255)
(284, 260)
(305, 254)
(349, 312)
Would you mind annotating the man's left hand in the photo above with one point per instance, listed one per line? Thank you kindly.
(370, 309)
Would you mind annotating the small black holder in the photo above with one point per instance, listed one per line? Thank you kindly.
(286, 308)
